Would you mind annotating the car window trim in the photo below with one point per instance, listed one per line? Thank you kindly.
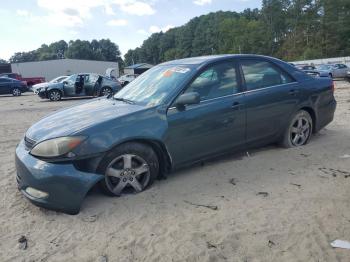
(202, 103)
(263, 60)
(197, 74)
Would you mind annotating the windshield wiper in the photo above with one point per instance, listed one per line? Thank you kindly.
(124, 100)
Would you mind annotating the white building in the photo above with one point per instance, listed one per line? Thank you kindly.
(53, 68)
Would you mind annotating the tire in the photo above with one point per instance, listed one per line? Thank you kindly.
(299, 130)
(55, 95)
(130, 167)
(16, 92)
(106, 91)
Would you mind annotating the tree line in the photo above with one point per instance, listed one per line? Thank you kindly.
(287, 29)
(102, 50)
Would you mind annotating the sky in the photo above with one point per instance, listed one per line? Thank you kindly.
(27, 24)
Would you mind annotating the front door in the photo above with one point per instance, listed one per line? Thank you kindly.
(5, 86)
(214, 125)
(271, 98)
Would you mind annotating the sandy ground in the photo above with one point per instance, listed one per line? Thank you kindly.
(307, 204)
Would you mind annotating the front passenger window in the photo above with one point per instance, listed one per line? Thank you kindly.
(260, 74)
(216, 81)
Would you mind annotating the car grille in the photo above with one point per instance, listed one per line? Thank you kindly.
(29, 143)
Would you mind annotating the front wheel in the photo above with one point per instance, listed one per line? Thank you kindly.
(130, 168)
(16, 92)
(55, 95)
(299, 130)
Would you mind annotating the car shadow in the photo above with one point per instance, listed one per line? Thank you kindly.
(95, 196)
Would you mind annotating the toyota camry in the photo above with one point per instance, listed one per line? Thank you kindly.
(175, 114)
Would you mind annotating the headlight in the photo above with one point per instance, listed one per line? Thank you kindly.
(57, 146)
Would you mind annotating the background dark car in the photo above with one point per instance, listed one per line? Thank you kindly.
(12, 86)
(173, 115)
(79, 85)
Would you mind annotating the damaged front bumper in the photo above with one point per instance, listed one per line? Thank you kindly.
(57, 186)
(41, 93)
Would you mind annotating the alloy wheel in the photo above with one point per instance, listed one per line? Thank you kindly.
(300, 131)
(106, 92)
(127, 172)
(55, 95)
(16, 92)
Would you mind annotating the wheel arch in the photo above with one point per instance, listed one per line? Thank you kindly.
(164, 158)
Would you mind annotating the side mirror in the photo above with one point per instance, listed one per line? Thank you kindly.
(65, 82)
(190, 98)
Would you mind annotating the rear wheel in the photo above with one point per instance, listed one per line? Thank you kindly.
(299, 130)
(106, 91)
(55, 95)
(16, 92)
(130, 168)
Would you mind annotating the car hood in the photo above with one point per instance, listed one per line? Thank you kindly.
(40, 85)
(77, 118)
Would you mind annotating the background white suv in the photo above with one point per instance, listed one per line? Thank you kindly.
(126, 79)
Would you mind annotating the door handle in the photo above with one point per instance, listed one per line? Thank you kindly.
(236, 106)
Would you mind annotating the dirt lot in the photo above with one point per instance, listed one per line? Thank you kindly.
(306, 205)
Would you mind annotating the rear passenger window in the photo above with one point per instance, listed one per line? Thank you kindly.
(260, 74)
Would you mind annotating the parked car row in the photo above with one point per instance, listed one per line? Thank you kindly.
(77, 85)
(326, 70)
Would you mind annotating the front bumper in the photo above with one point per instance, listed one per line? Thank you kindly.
(65, 185)
(41, 93)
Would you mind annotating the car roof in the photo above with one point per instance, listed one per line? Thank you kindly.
(8, 78)
(201, 60)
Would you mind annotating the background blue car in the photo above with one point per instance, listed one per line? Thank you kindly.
(12, 86)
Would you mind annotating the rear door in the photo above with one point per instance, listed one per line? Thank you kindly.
(214, 125)
(343, 69)
(89, 83)
(271, 97)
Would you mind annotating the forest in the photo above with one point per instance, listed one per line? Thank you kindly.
(102, 50)
(287, 29)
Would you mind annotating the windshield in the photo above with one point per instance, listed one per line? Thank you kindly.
(153, 86)
(324, 67)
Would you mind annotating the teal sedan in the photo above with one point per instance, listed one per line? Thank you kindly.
(177, 113)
